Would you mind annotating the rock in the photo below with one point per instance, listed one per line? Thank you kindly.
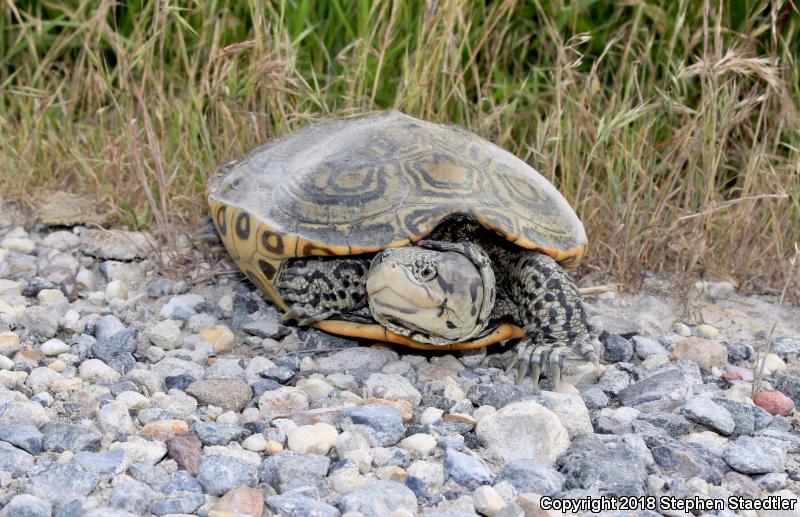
(106, 463)
(381, 424)
(282, 402)
(774, 402)
(487, 501)
(116, 351)
(312, 439)
(14, 461)
(132, 399)
(213, 433)
(163, 429)
(26, 505)
(53, 347)
(40, 321)
(117, 244)
(706, 412)
(420, 444)
(138, 450)
(358, 359)
(674, 425)
(60, 437)
(287, 471)
(22, 413)
(707, 354)
(116, 290)
(20, 245)
(647, 347)
(132, 496)
(507, 433)
(466, 469)
(9, 344)
(166, 334)
(220, 473)
(686, 461)
(613, 468)
(241, 502)
(230, 395)
(379, 498)
(220, 337)
(653, 388)
(392, 387)
(617, 349)
(297, 504)
(186, 451)
(499, 395)
(754, 455)
(265, 328)
(26, 437)
(59, 483)
(571, 411)
(773, 481)
(177, 505)
(114, 420)
(530, 475)
(94, 370)
(430, 416)
(707, 331)
(40, 379)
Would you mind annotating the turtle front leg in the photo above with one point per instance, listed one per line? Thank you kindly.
(554, 321)
(315, 289)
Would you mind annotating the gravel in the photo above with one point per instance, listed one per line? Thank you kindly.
(145, 395)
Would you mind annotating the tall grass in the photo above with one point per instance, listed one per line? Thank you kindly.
(672, 127)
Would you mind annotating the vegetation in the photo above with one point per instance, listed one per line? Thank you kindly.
(672, 126)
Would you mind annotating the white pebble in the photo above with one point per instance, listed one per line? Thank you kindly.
(116, 290)
(25, 246)
(487, 501)
(707, 331)
(85, 280)
(229, 417)
(71, 320)
(113, 419)
(313, 439)
(133, 400)
(155, 354)
(54, 347)
(251, 414)
(430, 416)
(6, 363)
(255, 443)
(483, 411)
(92, 370)
(226, 305)
(682, 330)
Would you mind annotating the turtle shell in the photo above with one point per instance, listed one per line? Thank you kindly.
(363, 184)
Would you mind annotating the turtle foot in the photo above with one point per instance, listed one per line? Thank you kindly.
(207, 234)
(534, 358)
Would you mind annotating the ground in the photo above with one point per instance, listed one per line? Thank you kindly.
(124, 391)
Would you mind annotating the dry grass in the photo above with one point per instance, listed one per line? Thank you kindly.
(671, 126)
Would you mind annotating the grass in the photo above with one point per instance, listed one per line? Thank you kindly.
(672, 127)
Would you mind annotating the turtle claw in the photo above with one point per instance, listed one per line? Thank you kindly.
(303, 317)
(535, 358)
(206, 234)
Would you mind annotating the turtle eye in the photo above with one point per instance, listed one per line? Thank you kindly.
(427, 272)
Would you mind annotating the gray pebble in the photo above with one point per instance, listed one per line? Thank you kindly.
(219, 473)
(286, 471)
(613, 468)
(132, 496)
(531, 475)
(754, 455)
(292, 504)
(60, 437)
(706, 412)
(381, 424)
(466, 469)
(26, 437)
(379, 498)
(116, 351)
(26, 505)
(212, 433)
(646, 347)
(177, 505)
(58, 482)
(617, 349)
(498, 394)
(652, 388)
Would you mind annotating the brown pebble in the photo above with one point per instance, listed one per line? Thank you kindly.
(242, 501)
(162, 429)
(706, 353)
(185, 450)
(774, 402)
(732, 376)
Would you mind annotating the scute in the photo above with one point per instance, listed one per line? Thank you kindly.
(366, 183)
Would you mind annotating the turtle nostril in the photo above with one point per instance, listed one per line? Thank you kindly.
(393, 265)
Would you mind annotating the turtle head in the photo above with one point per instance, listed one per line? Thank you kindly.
(441, 290)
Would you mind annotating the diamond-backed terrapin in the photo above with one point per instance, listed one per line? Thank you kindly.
(387, 227)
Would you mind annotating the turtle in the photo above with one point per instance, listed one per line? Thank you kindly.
(387, 227)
